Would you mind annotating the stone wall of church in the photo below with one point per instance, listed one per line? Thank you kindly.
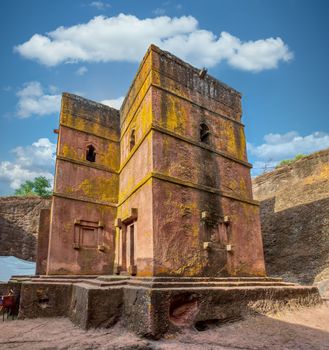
(19, 222)
(81, 238)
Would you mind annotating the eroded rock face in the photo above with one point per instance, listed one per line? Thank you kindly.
(19, 222)
(295, 219)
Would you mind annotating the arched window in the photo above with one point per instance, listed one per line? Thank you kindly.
(132, 140)
(204, 133)
(91, 153)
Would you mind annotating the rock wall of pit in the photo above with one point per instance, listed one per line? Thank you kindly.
(19, 222)
(294, 203)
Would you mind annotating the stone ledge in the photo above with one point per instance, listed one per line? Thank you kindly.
(151, 311)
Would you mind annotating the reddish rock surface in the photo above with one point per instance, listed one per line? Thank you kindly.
(168, 191)
(295, 219)
(19, 222)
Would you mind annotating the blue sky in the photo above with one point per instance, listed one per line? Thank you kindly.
(273, 51)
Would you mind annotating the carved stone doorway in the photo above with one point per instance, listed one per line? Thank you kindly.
(125, 259)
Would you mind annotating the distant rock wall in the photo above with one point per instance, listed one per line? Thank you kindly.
(295, 219)
(19, 221)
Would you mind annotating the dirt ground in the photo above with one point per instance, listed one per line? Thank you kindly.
(303, 329)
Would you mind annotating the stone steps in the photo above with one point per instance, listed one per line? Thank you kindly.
(189, 283)
(98, 283)
(67, 277)
(165, 282)
(189, 279)
(208, 284)
(56, 280)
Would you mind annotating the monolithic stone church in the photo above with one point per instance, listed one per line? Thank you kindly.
(152, 222)
(160, 188)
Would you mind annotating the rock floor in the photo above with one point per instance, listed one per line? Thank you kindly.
(303, 329)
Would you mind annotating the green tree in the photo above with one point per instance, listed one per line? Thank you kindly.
(40, 186)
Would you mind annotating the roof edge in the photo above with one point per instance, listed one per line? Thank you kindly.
(86, 100)
(179, 61)
(191, 67)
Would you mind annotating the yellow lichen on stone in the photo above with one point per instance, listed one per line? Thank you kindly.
(242, 144)
(69, 152)
(175, 116)
(104, 189)
(112, 157)
(78, 123)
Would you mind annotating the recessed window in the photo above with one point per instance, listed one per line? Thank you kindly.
(91, 153)
(132, 140)
(204, 133)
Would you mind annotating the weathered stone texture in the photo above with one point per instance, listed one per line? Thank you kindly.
(295, 219)
(43, 242)
(44, 300)
(93, 307)
(195, 178)
(152, 202)
(152, 307)
(19, 222)
(85, 192)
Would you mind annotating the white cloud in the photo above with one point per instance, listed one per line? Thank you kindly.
(100, 5)
(260, 54)
(115, 103)
(278, 147)
(30, 161)
(126, 38)
(33, 100)
(81, 70)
